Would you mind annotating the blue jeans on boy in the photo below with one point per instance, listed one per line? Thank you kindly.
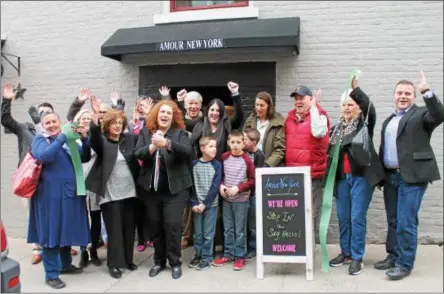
(204, 231)
(235, 216)
(252, 225)
(402, 204)
(55, 260)
(353, 200)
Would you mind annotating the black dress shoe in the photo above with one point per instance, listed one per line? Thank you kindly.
(132, 267)
(385, 264)
(56, 283)
(115, 273)
(155, 270)
(71, 270)
(397, 273)
(84, 259)
(177, 272)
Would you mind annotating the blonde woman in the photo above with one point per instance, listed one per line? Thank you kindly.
(83, 118)
(354, 183)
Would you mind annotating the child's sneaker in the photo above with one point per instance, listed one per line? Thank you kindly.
(239, 264)
(203, 265)
(194, 262)
(251, 255)
(220, 261)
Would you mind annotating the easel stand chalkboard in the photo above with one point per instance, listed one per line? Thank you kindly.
(284, 229)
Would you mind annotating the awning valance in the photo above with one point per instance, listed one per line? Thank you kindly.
(204, 36)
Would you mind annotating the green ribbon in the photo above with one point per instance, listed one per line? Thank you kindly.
(71, 138)
(327, 201)
(327, 204)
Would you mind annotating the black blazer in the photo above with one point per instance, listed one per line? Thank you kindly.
(417, 162)
(374, 173)
(177, 160)
(106, 151)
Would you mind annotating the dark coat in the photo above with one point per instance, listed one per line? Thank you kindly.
(417, 162)
(373, 173)
(177, 160)
(106, 151)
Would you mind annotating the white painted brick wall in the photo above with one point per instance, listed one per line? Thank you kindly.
(59, 43)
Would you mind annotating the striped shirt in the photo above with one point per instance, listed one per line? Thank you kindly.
(207, 176)
(238, 171)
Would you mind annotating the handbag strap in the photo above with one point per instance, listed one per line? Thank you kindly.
(368, 112)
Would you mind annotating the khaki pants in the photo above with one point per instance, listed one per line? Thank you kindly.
(187, 234)
(37, 249)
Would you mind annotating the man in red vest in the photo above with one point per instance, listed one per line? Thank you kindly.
(307, 130)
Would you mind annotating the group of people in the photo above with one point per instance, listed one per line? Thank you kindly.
(177, 167)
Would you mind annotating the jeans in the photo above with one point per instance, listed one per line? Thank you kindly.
(354, 196)
(251, 247)
(235, 215)
(103, 232)
(54, 260)
(204, 231)
(402, 203)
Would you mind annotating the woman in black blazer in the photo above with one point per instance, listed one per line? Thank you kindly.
(113, 177)
(165, 178)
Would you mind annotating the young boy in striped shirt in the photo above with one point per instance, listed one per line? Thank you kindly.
(237, 183)
(207, 176)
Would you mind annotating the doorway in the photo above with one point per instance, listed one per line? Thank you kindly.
(210, 80)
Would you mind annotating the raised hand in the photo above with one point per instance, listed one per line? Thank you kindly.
(114, 96)
(423, 85)
(95, 104)
(355, 83)
(8, 91)
(81, 130)
(164, 91)
(316, 97)
(84, 95)
(181, 95)
(233, 87)
(34, 114)
(147, 106)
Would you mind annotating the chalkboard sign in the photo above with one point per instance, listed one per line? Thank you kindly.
(284, 217)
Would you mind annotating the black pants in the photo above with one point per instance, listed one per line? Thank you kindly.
(142, 222)
(120, 224)
(165, 212)
(96, 227)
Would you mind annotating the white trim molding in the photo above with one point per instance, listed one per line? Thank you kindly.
(205, 14)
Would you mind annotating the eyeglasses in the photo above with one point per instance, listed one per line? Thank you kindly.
(103, 112)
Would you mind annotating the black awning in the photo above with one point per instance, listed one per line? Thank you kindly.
(204, 36)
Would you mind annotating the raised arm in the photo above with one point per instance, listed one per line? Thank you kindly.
(237, 119)
(45, 152)
(78, 103)
(7, 120)
(96, 138)
(363, 102)
(434, 116)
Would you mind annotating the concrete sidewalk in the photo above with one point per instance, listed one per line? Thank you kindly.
(426, 277)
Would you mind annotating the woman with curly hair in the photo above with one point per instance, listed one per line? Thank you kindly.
(113, 177)
(164, 148)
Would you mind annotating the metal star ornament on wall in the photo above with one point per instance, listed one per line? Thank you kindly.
(20, 92)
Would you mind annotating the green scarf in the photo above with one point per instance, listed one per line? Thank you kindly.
(73, 147)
